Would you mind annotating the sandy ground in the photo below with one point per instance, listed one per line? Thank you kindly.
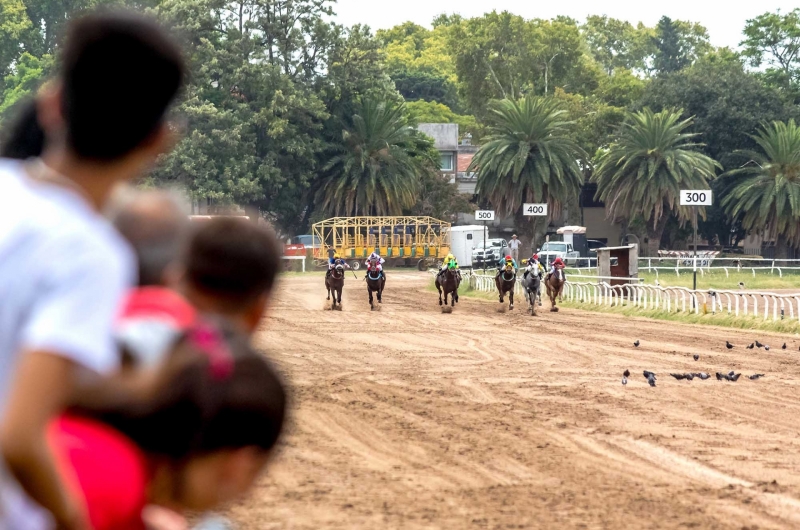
(410, 418)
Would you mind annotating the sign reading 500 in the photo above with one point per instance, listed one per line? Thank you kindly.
(484, 215)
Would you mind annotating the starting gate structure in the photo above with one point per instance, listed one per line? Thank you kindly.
(400, 240)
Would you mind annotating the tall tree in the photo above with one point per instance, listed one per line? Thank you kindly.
(678, 44)
(773, 39)
(765, 191)
(375, 171)
(642, 172)
(617, 44)
(529, 155)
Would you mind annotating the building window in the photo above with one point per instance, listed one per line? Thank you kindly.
(447, 162)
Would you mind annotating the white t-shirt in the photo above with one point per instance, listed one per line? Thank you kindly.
(513, 244)
(63, 272)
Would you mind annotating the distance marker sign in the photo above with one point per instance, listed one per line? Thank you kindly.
(534, 209)
(484, 215)
(696, 198)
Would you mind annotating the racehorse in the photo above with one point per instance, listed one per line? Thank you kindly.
(375, 283)
(505, 284)
(532, 284)
(555, 284)
(335, 283)
(448, 282)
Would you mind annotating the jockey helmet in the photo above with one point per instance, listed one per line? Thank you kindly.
(509, 258)
(536, 257)
(336, 256)
(558, 261)
(450, 257)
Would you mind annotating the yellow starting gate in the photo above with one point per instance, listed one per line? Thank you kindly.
(397, 239)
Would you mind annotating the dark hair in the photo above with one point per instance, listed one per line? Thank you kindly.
(232, 259)
(23, 137)
(155, 226)
(120, 71)
(198, 410)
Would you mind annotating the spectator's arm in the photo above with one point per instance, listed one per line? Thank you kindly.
(42, 387)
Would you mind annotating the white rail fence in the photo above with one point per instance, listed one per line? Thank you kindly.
(759, 304)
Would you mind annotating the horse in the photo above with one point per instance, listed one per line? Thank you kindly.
(555, 284)
(335, 283)
(505, 284)
(448, 282)
(375, 283)
(532, 284)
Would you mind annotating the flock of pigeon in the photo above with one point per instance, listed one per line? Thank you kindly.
(730, 376)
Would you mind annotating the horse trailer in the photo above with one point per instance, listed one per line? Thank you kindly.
(465, 239)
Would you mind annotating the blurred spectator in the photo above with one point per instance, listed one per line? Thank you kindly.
(63, 269)
(229, 268)
(199, 441)
(23, 138)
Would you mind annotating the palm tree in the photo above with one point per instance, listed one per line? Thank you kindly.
(765, 192)
(375, 170)
(528, 156)
(640, 175)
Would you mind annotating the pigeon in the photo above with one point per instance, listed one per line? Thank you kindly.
(759, 345)
(731, 373)
(624, 380)
(695, 356)
(734, 378)
(754, 376)
(702, 375)
(626, 373)
(636, 343)
(689, 377)
(648, 375)
(678, 376)
(728, 345)
(766, 348)
(741, 285)
(784, 346)
(752, 345)
(720, 376)
(652, 380)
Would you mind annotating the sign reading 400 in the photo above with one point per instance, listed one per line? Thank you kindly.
(534, 209)
(696, 198)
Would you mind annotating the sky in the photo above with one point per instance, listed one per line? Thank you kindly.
(724, 19)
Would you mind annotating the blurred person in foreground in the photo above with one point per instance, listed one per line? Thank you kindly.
(200, 440)
(63, 269)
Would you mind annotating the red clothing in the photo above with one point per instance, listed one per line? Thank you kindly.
(102, 468)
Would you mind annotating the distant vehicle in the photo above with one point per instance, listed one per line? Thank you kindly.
(594, 244)
(307, 240)
(558, 249)
(496, 249)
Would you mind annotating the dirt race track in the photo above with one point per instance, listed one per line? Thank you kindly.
(410, 418)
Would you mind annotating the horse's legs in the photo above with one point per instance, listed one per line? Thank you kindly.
(329, 292)
(438, 288)
(511, 298)
(445, 298)
(370, 295)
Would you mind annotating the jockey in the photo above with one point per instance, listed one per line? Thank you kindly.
(334, 261)
(377, 260)
(557, 264)
(446, 264)
(537, 266)
(505, 262)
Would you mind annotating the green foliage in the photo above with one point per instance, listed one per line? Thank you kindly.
(773, 39)
(678, 44)
(375, 170)
(29, 71)
(529, 155)
(645, 167)
(432, 112)
(617, 44)
(425, 86)
(766, 190)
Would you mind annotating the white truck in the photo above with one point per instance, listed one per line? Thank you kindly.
(557, 249)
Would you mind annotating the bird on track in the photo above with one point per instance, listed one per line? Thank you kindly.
(728, 345)
(752, 345)
(720, 376)
(648, 375)
(731, 373)
(734, 378)
(766, 347)
(636, 343)
(754, 376)
(689, 377)
(652, 380)
(702, 375)
(695, 356)
(784, 346)
(678, 376)
(759, 345)
(626, 373)
(624, 380)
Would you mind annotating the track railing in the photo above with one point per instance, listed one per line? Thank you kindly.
(760, 304)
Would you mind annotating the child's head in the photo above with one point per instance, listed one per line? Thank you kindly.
(229, 268)
(209, 428)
